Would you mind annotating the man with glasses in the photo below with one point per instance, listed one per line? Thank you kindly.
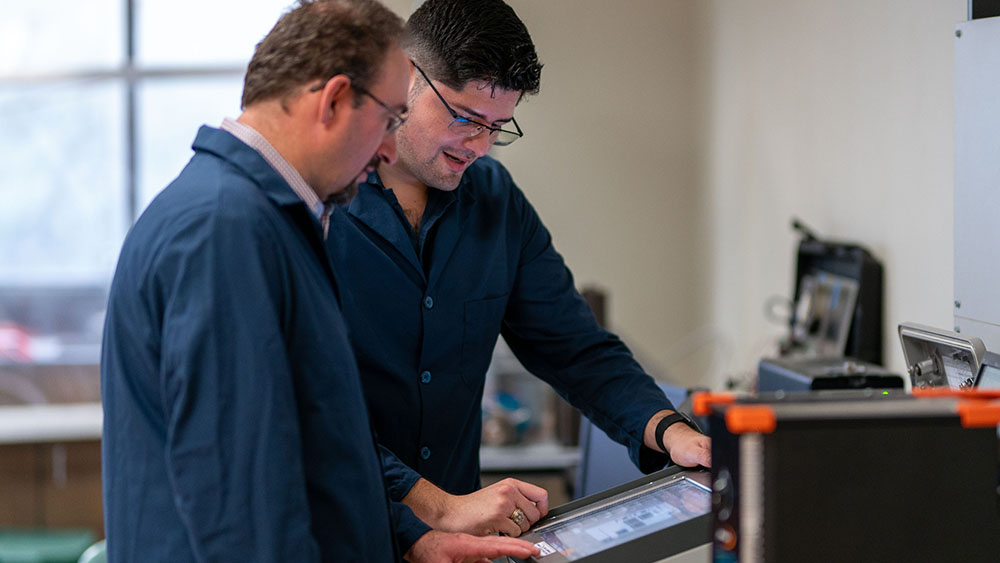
(440, 253)
(235, 427)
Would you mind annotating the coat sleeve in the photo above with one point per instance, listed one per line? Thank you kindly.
(399, 478)
(406, 526)
(552, 331)
(233, 448)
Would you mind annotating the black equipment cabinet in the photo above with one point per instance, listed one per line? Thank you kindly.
(860, 476)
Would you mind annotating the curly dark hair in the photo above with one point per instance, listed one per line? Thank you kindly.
(319, 39)
(457, 41)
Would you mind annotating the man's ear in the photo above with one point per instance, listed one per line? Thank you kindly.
(333, 98)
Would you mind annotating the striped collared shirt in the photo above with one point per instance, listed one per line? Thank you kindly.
(257, 142)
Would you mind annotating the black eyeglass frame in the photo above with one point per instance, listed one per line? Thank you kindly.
(459, 119)
(397, 118)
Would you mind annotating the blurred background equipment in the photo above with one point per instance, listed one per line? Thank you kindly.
(529, 431)
(806, 374)
(605, 463)
(837, 301)
(835, 328)
(940, 358)
(518, 408)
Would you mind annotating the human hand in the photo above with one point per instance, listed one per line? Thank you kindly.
(488, 510)
(687, 446)
(440, 547)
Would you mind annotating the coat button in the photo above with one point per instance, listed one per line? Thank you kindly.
(425, 377)
(428, 302)
(425, 452)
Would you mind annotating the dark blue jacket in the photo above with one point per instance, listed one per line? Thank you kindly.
(424, 313)
(235, 426)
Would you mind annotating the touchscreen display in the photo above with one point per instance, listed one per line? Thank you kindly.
(629, 519)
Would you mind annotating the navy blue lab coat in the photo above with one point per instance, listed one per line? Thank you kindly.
(235, 426)
(424, 311)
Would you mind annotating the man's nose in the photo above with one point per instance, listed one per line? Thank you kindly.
(387, 150)
(479, 144)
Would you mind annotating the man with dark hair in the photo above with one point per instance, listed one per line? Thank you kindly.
(235, 425)
(446, 233)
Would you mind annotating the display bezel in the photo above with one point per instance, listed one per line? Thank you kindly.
(651, 547)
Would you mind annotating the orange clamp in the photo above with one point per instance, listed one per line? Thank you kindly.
(932, 392)
(979, 414)
(702, 401)
(744, 419)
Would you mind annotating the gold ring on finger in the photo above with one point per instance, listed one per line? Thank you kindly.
(517, 516)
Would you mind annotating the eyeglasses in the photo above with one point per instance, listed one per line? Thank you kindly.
(469, 128)
(395, 118)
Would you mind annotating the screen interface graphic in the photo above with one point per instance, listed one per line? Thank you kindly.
(629, 519)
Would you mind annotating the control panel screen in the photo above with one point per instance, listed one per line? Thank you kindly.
(628, 519)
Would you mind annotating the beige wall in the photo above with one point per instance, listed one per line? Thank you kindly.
(401, 7)
(673, 140)
(608, 157)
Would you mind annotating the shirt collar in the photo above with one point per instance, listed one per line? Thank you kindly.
(256, 141)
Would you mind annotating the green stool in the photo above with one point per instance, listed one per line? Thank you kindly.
(97, 553)
(43, 546)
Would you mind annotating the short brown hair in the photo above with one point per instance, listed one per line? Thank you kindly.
(319, 39)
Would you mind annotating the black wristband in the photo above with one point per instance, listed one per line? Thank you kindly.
(664, 423)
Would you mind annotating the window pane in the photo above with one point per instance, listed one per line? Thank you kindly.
(63, 213)
(61, 35)
(169, 114)
(195, 32)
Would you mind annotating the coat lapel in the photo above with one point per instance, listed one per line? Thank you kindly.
(373, 211)
(449, 230)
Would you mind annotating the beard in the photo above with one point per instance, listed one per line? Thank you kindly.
(344, 195)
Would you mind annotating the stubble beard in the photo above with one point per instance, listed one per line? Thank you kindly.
(428, 171)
